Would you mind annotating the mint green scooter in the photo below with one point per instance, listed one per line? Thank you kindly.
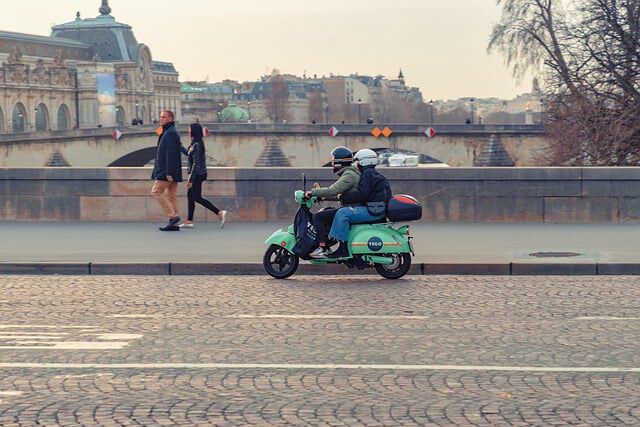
(379, 245)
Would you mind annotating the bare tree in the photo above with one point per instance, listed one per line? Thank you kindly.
(316, 106)
(277, 103)
(589, 57)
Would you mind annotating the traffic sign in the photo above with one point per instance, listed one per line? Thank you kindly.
(387, 132)
(430, 132)
(159, 130)
(206, 132)
(376, 132)
(116, 134)
(334, 131)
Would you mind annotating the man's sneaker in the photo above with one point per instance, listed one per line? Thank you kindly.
(185, 225)
(173, 221)
(169, 228)
(223, 219)
(320, 252)
(341, 252)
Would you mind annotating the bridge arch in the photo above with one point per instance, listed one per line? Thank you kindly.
(42, 118)
(18, 118)
(136, 158)
(63, 117)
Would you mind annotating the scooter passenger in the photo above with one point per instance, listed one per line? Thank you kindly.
(341, 160)
(368, 203)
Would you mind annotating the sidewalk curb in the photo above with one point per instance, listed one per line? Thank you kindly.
(256, 269)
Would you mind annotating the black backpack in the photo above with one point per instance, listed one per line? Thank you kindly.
(305, 233)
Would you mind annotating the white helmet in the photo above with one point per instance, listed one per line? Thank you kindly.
(366, 157)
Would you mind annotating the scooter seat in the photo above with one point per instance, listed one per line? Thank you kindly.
(377, 221)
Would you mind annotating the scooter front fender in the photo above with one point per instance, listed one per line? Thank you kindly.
(282, 238)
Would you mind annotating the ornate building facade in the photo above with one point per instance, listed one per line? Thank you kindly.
(90, 72)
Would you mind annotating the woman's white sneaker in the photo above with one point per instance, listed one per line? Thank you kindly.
(223, 219)
(185, 225)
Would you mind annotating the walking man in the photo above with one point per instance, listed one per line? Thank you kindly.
(167, 171)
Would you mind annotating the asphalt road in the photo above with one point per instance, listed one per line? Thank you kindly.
(244, 242)
(430, 350)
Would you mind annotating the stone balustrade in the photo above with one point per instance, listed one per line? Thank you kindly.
(562, 195)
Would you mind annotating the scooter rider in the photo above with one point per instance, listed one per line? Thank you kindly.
(368, 202)
(341, 160)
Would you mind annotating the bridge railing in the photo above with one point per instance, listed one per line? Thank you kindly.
(292, 128)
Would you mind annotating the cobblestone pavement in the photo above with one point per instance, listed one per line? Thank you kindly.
(435, 350)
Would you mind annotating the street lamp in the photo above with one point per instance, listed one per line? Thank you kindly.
(249, 109)
(359, 109)
(431, 110)
(35, 119)
(137, 118)
(471, 108)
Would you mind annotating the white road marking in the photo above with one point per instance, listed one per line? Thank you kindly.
(45, 327)
(294, 366)
(133, 316)
(606, 318)
(10, 393)
(325, 317)
(28, 337)
(68, 345)
(115, 337)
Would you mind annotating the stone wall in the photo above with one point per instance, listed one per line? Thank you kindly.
(266, 194)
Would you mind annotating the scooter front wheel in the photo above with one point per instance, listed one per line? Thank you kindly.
(399, 267)
(279, 262)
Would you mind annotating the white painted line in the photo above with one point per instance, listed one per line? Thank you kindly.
(30, 334)
(294, 366)
(133, 316)
(325, 317)
(69, 345)
(606, 318)
(44, 327)
(11, 393)
(28, 337)
(115, 337)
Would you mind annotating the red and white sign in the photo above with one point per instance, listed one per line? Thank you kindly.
(116, 134)
(206, 131)
(334, 131)
(430, 132)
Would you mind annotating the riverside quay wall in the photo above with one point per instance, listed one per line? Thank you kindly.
(553, 195)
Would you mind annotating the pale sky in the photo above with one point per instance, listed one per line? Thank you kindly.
(439, 44)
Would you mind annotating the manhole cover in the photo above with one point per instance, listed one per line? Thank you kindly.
(554, 254)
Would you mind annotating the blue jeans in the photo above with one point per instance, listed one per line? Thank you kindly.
(347, 216)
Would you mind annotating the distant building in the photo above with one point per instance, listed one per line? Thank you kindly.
(90, 72)
(204, 101)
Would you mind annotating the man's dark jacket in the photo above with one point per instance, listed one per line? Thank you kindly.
(168, 155)
(373, 187)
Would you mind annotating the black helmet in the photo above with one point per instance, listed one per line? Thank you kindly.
(340, 158)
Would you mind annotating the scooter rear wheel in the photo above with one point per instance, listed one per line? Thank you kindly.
(400, 267)
(279, 262)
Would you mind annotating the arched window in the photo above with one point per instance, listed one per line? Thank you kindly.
(63, 117)
(42, 118)
(18, 118)
(121, 118)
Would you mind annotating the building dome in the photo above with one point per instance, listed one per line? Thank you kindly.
(233, 113)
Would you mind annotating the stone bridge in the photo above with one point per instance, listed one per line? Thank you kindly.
(248, 145)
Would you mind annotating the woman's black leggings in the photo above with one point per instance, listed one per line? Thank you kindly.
(194, 195)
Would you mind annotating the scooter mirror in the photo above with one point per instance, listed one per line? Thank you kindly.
(304, 181)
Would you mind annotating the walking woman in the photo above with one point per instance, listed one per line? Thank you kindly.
(197, 175)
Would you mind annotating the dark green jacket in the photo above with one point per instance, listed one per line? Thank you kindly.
(348, 181)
